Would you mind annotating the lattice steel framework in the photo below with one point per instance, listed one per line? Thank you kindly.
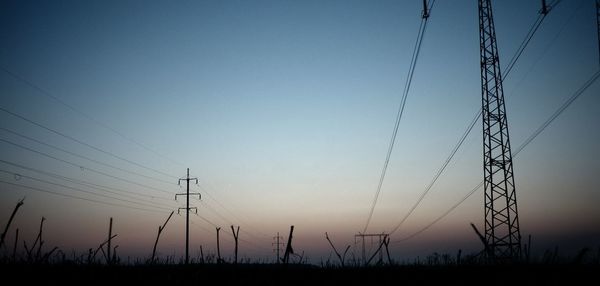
(500, 201)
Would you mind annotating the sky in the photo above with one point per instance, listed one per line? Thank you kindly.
(284, 110)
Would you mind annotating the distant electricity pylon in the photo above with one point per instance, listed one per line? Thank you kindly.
(500, 200)
(187, 212)
(277, 245)
(363, 236)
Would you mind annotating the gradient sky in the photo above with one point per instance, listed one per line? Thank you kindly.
(284, 110)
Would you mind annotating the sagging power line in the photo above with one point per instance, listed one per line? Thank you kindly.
(80, 166)
(83, 114)
(521, 147)
(82, 156)
(532, 31)
(21, 176)
(417, 48)
(235, 217)
(83, 143)
(78, 198)
(103, 188)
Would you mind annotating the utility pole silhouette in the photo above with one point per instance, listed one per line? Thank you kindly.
(502, 234)
(187, 211)
(277, 244)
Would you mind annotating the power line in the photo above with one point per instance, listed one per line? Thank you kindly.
(548, 46)
(82, 143)
(413, 63)
(105, 164)
(439, 173)
(45, 92)
(206, 229)
(83, 183)
(524, 44)
(80, 190)
(207, 221)
(83, 157)
(217, 202)
(80, 182)
(220, 204)
(201, 227)
(527, 141)
(221, 216)
(256, 246)
(559, 111)
(534, 28)
(81, 166)
(240, 239)
(50, 95)
(78, 198)
(443, 215)
(215, 211)
(536, 25)
(210, 208)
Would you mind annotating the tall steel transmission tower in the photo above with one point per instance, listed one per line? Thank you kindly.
(502, 233)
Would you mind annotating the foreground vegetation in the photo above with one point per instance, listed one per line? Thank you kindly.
(274, 274)
(36, 263)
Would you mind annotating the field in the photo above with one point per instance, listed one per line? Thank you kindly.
(272, 274)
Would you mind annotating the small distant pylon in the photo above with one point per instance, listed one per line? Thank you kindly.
(381, 238)
(278, 245)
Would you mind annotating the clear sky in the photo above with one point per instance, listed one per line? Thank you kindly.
(284, 111)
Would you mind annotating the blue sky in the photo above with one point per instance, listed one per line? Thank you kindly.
(284, 109)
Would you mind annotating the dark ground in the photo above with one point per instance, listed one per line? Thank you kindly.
(270, 274)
